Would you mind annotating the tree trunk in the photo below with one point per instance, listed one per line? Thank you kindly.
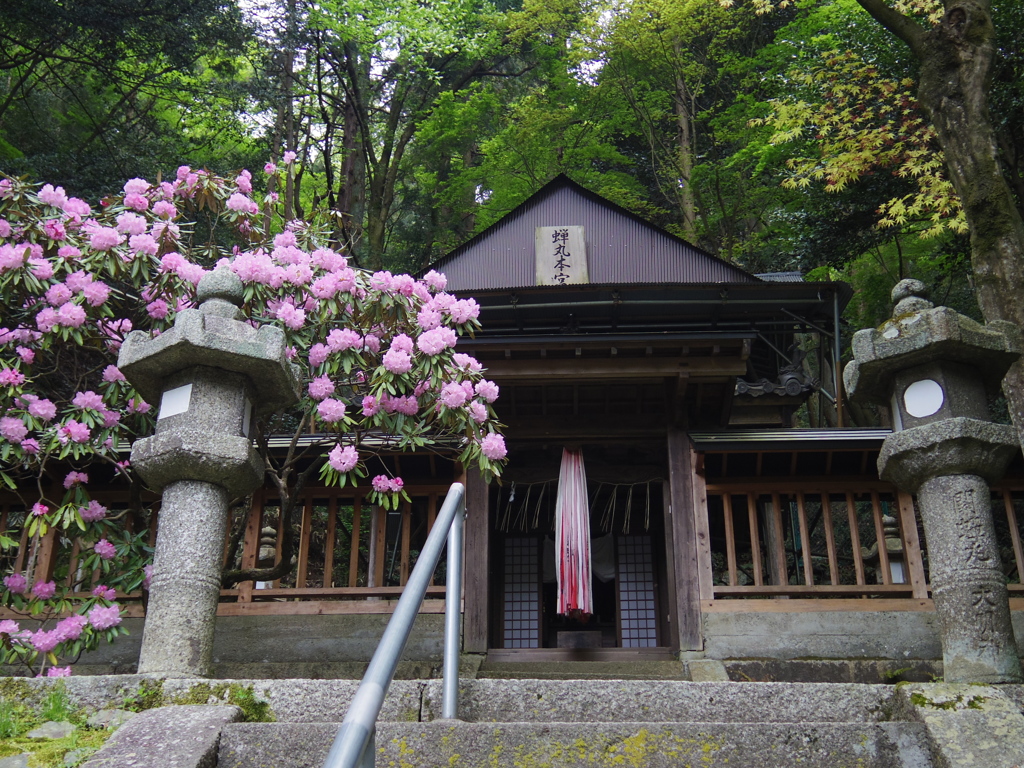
(956, 58)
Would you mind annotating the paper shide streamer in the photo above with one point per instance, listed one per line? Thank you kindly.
(572, 538)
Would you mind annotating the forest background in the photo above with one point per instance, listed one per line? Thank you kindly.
(788, 140)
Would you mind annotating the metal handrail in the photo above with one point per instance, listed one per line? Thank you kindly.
(354, 745)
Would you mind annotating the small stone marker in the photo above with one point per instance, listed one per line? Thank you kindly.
(935, 367)
(52, 730)
(209, 372)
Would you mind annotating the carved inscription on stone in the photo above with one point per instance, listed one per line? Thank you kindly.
(971, 539)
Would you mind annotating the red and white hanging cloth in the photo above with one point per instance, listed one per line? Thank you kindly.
(572, 537)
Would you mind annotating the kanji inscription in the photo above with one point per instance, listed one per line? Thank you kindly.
(561, 254)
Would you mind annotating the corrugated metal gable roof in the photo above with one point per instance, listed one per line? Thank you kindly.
(622, 248)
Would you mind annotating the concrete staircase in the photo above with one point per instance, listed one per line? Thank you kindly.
(548, 723)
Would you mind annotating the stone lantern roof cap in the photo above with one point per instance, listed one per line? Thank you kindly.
(214, 335)
(919, 333)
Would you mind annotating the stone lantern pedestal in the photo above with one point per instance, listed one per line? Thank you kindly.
(209, 373)
(935, 367)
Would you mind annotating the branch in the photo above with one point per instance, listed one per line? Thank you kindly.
(903, 27)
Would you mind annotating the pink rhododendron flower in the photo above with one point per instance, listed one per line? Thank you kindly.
(76, 431)
(27, 355)
(46, 319)
(331, 410)
(487, 390)
(58, 295)
(136, 186)
(44, 590)
(96, 293)
(385, 484)
(5, 226)
(30, 446)
(16, 583)
(402, 343)
(105, 549)
(321, 387)
(478, 412)
(107, 593)
(242, 204)
(41, 268)
(88, 399)
(269, 168)
(11, 377)
(69, 252)
(136, 202)
(343, 459)
(493, 446)
(95, 511)
(39, 509)
(464, 310)
(372, 342)
(381, 280)
(371, 405)
(428, 319)
(148, 570)
(110, 419)
(244, 182)
(59, 672)
(397, 361)
(105, 617)
(12, 429)
(44, 642)
(436, 341)
(112, 373)
(435, 280)
(70, 628)
(138, 406)
(54, 197)
(42, 408)
(71, 315)
(288, 157)
(9, 627)
(131, 223)
(453, 395)
(75, 478)
(341, 339)
(157, 309)
(318, 353)
(466, 362)
(165, 209)
(105, 238)
(292, 317)
(55, 230)
(144, 243)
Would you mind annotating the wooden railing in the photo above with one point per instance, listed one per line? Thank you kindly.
(351, 556)
(769, 539)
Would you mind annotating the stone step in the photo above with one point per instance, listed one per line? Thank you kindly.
(488, 700)
(455, 744)
(662, 701)
(584, 670)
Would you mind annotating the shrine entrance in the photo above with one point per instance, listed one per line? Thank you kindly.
(626, 499)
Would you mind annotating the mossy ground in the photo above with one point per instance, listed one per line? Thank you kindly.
(20, 713)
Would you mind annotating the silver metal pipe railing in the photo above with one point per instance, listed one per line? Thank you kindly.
(354, 745)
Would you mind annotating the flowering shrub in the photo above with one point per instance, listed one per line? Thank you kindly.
(377, 351)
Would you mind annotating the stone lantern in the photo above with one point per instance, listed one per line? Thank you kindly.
(935, 368)
(209, 373)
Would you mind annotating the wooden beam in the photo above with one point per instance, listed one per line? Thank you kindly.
(477, 564)
(687, 608)
(912, 556)
(717, 368)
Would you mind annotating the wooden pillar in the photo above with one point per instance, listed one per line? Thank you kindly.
(477, 572)
(684, 541)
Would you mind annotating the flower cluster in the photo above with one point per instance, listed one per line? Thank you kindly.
(378, 350)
